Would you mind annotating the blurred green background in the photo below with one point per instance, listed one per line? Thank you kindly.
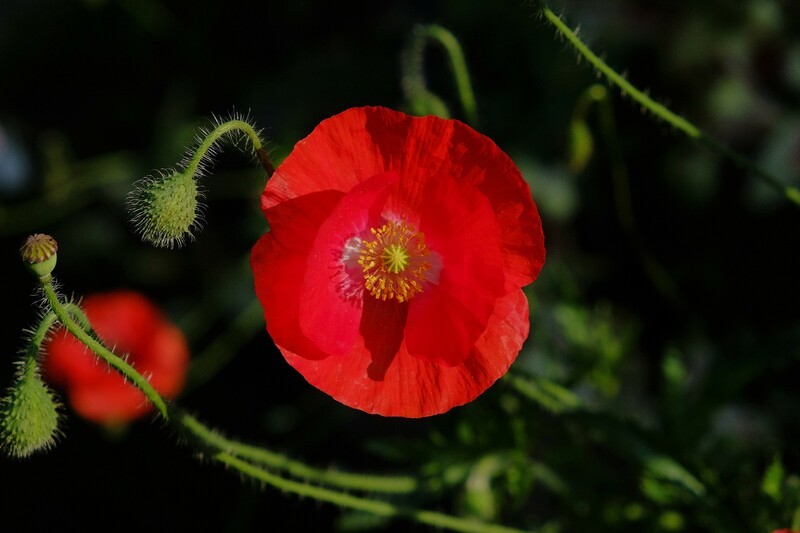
(661, 374)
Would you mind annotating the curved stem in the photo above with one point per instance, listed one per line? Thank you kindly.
(78, 314)
(101, 351)
(231, 453)
(346, 480)
(659, 110)
(376, 507)
(81, 328)
(37, 337)
(225, 128)
(422, 100)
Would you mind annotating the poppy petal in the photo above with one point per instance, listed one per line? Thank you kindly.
(331, 294)
(413, 387)
(340, 153)
(477, 239)
(451, 312)
(279, 261)
(361, 142)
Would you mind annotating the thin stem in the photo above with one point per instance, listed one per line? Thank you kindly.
(222, 129)
(113, 360)
(78, 314)
(376, 507)
(422, 100)
(346, 480)
(82, 331)
(37, 337)
(227, 451)
(659, 110)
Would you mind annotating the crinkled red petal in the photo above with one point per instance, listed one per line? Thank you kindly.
(452, 311)
(359, 143)
(331, 295)
(279, 261)
(391, 382)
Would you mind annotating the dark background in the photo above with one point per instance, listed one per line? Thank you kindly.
(95, 94)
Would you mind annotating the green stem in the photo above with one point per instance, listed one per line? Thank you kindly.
(659, 110)
(222, 129)
(376, 507)
(81, 328)
(38, 335)
(113, 360)
(423, 100)
(346, 480)
(229, 452)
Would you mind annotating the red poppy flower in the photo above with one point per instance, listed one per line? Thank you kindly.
(132, 325)
(391, 276)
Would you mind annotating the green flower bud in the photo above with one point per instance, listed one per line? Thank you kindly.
(39, 253)
(28, 416)
(165, 210)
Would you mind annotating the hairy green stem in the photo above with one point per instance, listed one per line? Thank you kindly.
(223, 129)
(792, 193)
(376, 507)
(234, 454)
(81, 328)
(346, 480)
(113, 360)
(422, 100)
(38, 335)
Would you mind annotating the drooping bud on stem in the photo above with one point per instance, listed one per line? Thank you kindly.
(39, 253)
(165, 209)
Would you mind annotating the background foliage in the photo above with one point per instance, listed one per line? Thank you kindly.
(658, 390)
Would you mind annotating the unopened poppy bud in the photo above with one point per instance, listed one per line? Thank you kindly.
(165, 209)
(39, 253)
(29, 417)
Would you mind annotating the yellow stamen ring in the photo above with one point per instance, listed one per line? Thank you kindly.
(394, 262)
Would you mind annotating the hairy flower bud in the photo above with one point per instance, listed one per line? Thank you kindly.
(29, 415)
(39, 253)
(165, 210)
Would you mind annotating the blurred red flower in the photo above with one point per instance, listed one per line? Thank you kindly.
(132, 325)
(391, 276)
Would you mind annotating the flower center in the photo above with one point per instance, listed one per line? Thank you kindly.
(395, 262)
